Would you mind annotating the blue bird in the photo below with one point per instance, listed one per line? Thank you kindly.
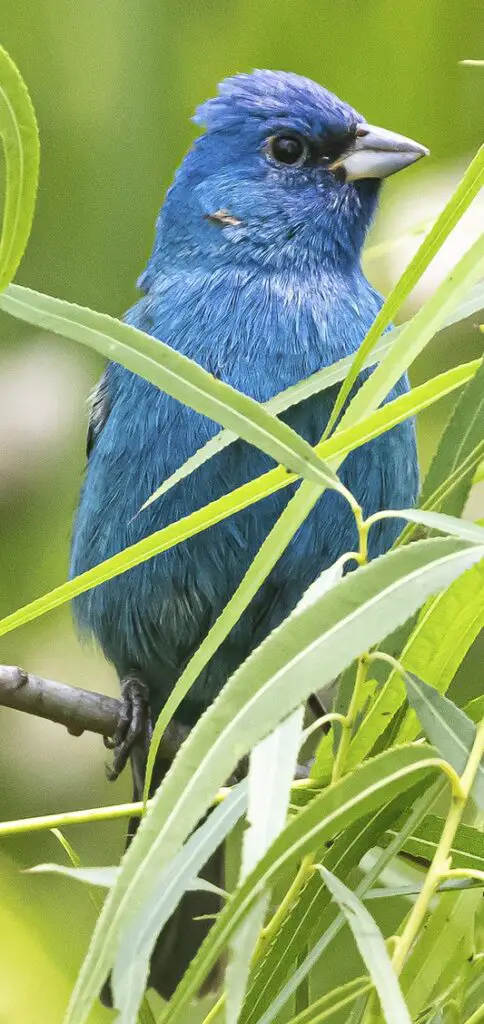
(255, 274)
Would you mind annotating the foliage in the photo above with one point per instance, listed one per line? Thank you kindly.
(357, 798)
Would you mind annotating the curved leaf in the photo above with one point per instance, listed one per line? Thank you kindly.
(418, 332)
(327, 931)
(372, 948)
(20, 138)
(463, 432)
(332, 811)
(445, 725)
(167, 886)
(274, 681)
(162, 540)
(272, 767)
(180, 377)
(465, 192)
(435, 648)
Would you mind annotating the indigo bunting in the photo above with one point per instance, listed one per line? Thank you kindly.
(255, 274)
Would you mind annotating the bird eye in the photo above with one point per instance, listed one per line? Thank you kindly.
(287, 149)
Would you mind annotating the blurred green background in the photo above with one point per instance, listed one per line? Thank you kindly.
(114, 85)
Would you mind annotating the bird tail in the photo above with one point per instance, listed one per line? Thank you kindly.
(183, 934)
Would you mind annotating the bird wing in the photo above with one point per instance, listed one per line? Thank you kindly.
(99, 410)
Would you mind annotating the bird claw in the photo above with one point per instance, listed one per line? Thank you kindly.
(133, 726)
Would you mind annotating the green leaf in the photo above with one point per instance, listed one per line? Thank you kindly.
(449, 728)
(439, 641)
(270, 551)
(275, 680)
(418, 332)
(272, 768)
(465, 192)
(475, 709)
(162, 540)
(467, 848)
(312, 385)
(20, 139)
(464, 431)
(445, 942)
(313, 915)
(372, 948)
(180, 377)
(333, 1001)
(452, 885)
(103, 877)
(436, 521)
(422, 396)
(346, 439)
(333, 811)
(167, 886)
(327, 930)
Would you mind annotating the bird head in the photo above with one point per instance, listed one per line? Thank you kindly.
(284, 175)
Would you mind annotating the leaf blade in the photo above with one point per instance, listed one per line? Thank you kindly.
(179, 376)
(20, 139)
(447, 726)
(234, 722)
(372, 948)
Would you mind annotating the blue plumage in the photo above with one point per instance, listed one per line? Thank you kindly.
(255, 274)
(261, 302)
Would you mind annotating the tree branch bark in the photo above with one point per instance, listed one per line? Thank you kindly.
(76, 709)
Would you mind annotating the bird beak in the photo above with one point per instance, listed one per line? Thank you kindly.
(376, 153)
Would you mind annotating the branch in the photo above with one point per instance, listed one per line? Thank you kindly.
(78, 710)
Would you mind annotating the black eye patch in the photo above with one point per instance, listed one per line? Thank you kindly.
(329, 148)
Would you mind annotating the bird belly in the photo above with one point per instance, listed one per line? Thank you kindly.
(153, 617)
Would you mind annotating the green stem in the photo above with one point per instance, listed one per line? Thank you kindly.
(441, 862)
(272, 927)
(50, 821)
(332, 716)
(349, 721)
(96, 814)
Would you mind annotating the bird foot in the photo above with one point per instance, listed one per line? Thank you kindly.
(134, 725)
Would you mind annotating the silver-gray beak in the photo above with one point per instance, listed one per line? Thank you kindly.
(376, 153)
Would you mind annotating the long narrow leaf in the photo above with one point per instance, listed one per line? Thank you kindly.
(311, 916)
(417, 333)
(466, 191)
(313, 826)
(20, 138)
(445, 725)
(167, 886)
(463, 432)
(272, 767)
(318, 382)
(162, 540)
(439, 641)
(438, 521)
(317, 645)
(446, 942)
(335, 1000)
(373, 951)
(467, 848)
(330, 931)
(180, 377)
